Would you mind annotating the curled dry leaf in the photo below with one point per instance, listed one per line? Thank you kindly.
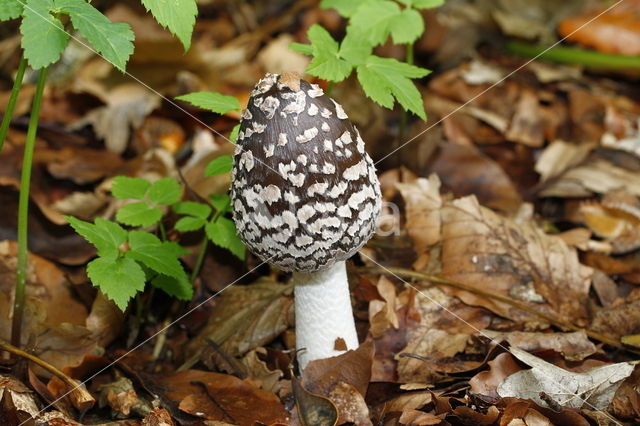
(594, 389)
(574, 346)
(422, 207)
(382, 315)
(258, 371)
(351, 405)
(487, 382)
(519, 261)
(419, 418)
(244, 318)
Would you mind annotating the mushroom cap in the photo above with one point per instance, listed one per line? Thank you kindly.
(304, 191)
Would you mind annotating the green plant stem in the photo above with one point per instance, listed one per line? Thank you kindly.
(404, 116)
(23, 210)
(409, 54)
(8, 112)
(163, 231)
(569, 55)
(198, 266)
(330, 87)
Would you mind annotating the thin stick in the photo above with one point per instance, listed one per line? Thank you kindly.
(81, 392)
(8, 112)
(23, 210)
(516, 304)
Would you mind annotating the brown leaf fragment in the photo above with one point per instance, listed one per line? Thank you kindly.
(419, 418)
(468, 415)
(486, 382)
(626, 402)
(574, 346)
(313, 409)
(422, 206)
(618, 321)
(350, 404)
(519, 261)
(158, 417)
(123, 399)
(527, 126)
(382, 315)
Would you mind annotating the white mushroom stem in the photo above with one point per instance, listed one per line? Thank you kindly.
(323, 313)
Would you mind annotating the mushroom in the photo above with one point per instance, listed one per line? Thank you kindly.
(305, 198)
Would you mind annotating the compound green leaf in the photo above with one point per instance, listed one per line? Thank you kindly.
(233, 135)
(223, 233)
(10, 9)
(106, 236)
(222, 202)
(219, 165)
(43, 36)
(305, 49)
(373, 19)
(180, 289)
(384, 76)
(113, 40)
(427, 4)
(406, 27)
(164, 191)
(354, 48)
(160, 256)
(139, 214)
(193, 208)
(345, 8)
(189, 223)
(216, 102)
(326, 62)
(119, 279)
(179, 16)
(125, 187)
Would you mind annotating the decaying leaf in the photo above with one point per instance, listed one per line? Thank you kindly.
(574, 346)
(594, 389)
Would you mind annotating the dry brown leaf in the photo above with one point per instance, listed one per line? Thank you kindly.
(382, 314)
(493, 253)
(258, 371)
(559, 156)
(486, 382)
(422, 207)
(350, 404)
(418, 418)
(574, 346)
(527, 125)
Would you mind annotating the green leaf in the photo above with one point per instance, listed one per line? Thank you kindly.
(179, 16)
(427, 4)
(106, 236)
(305, 49)
(10, 9)
(180, 289)
(219, 165)
(119, 279)
(139, 214)
(345, 8)
(382, 77)
(222, 202)
(406, 27)
(189, 223)
(326, 62)
(233, 136)
(354, 48)
(160, 256)
(125, 188)
(216, 102)
(113, 40)
(373, 19)
(164, 191)
(222, 233)
(43, 36)
(193, 208)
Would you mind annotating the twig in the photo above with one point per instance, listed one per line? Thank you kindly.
(80, 397)
(514, 303)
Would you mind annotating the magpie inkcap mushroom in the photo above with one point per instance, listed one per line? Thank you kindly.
(305, 196)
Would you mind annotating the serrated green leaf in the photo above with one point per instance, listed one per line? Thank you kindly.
(113, 40)
(216, 102)
(219, 165)
(164, 191)
(233, 136)
(106, 236)
(125, 187)
(406, 27)
(43, 36)
(160, 256)
(180, 289)
(345, 8)
(139, 214)
(326, 62)
(373, 19)
(384, 76)
(305, 49)
(10, 9)
(223, 233)
(179, 16)
(354, 48)
(189, 224)
(119, 279)
(221, 202)
(192, 208)
(427, 4)
(375, 86)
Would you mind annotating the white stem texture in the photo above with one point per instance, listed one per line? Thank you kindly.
(323, 313)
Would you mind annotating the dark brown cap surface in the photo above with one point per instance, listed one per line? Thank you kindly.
(304, 191)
